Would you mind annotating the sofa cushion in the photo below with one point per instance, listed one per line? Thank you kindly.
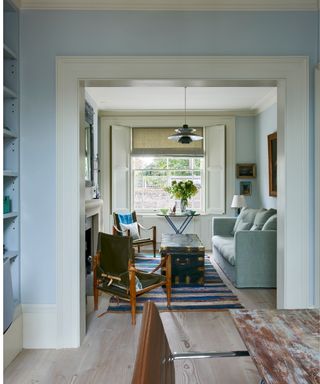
(246, 215)
(261, 218)
(225, 246)
(271, 224)
(243, 226)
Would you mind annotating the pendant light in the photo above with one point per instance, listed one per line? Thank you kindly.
(185, 135)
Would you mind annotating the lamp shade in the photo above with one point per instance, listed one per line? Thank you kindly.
(185, 135)
(238, 201)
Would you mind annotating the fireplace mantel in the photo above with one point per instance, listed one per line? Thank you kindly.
(94, 207)
(93, 210)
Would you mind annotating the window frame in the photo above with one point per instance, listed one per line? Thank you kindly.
(146, 211)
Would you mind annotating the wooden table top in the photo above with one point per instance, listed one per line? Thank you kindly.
(284, 344)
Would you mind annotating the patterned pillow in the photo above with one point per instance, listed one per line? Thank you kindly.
(133, 228)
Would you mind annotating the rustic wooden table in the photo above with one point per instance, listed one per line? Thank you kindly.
(284, 344)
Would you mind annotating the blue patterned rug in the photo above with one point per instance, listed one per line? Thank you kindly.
(214, 295)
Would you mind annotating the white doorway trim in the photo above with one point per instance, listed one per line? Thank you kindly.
(317, 186)
(290, 74)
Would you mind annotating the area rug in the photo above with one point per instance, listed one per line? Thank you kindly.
(214, 295)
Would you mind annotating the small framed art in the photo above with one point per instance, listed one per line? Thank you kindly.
(245, 188)
(246, 171)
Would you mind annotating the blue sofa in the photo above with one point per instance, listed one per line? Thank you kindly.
(245, 248)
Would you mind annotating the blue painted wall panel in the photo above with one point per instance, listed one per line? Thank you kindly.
(47, 34)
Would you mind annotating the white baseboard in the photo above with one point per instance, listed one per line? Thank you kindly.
(12, 339)
(39, 326)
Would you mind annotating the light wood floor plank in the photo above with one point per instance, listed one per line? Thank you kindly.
(108, 351)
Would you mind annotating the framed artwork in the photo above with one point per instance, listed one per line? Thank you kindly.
(246, 171)
(272, 161)
(245, 188)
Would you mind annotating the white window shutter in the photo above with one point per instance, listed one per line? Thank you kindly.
(120, 167)
(215, 169)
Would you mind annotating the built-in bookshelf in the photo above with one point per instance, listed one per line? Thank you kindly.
(11, 131)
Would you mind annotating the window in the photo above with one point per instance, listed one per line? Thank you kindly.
(137, 181)
(152, 174)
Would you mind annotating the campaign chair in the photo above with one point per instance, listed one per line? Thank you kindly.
(125, 224)
(154, 360)
(114, 272)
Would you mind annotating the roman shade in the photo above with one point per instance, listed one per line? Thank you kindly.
(154, 141)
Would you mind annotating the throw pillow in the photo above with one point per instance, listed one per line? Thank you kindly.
(247, 215)
(271, 224)
(125, 218)
(133, 228)
(255, 228)
(243, 226)
(262, 216)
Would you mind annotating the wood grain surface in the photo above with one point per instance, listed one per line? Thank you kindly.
(108, 351)
(284, 344)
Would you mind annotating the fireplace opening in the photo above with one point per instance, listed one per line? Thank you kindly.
(88, 238)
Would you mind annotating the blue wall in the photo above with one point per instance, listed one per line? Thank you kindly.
(246, 153)
(47, 34)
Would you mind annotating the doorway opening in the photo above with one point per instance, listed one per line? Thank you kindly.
(288, 74)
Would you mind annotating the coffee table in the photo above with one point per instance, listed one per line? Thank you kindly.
(187, 257)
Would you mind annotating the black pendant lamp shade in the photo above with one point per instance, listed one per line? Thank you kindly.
(185, 135)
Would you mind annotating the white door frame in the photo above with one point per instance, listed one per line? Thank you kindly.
(290, 74)
(317, 186)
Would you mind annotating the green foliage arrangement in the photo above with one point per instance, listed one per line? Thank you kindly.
(182, 190)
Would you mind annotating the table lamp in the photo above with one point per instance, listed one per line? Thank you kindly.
(238, 202)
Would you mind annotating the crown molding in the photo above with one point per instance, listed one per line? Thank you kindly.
(17, 3)
(173, 113)
(266, 102)
(173, 5)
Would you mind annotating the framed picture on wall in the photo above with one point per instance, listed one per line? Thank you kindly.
(246, 171)
(272, 160)
(245, 188)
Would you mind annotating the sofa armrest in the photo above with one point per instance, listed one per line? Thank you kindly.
(223, 226)
(256, 257)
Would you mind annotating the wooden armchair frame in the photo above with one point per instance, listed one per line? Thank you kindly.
(131, 293)
(116, 230)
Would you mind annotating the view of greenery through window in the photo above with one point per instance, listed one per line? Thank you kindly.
(152, 174)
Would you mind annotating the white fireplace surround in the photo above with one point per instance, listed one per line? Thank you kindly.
(93, 209)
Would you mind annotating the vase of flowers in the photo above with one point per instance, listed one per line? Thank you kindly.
(182, 190)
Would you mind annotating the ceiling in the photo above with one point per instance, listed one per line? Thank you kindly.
(173, 5)
(173, 98)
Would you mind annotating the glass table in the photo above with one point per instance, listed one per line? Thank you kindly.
(187, 217)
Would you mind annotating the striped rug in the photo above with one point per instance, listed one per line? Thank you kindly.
(214, 295)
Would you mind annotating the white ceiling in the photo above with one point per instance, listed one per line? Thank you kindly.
(178, 5)
(173, 98)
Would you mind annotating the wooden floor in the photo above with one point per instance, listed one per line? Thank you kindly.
(108, 351)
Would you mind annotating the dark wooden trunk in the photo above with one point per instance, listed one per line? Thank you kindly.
(187, 258)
